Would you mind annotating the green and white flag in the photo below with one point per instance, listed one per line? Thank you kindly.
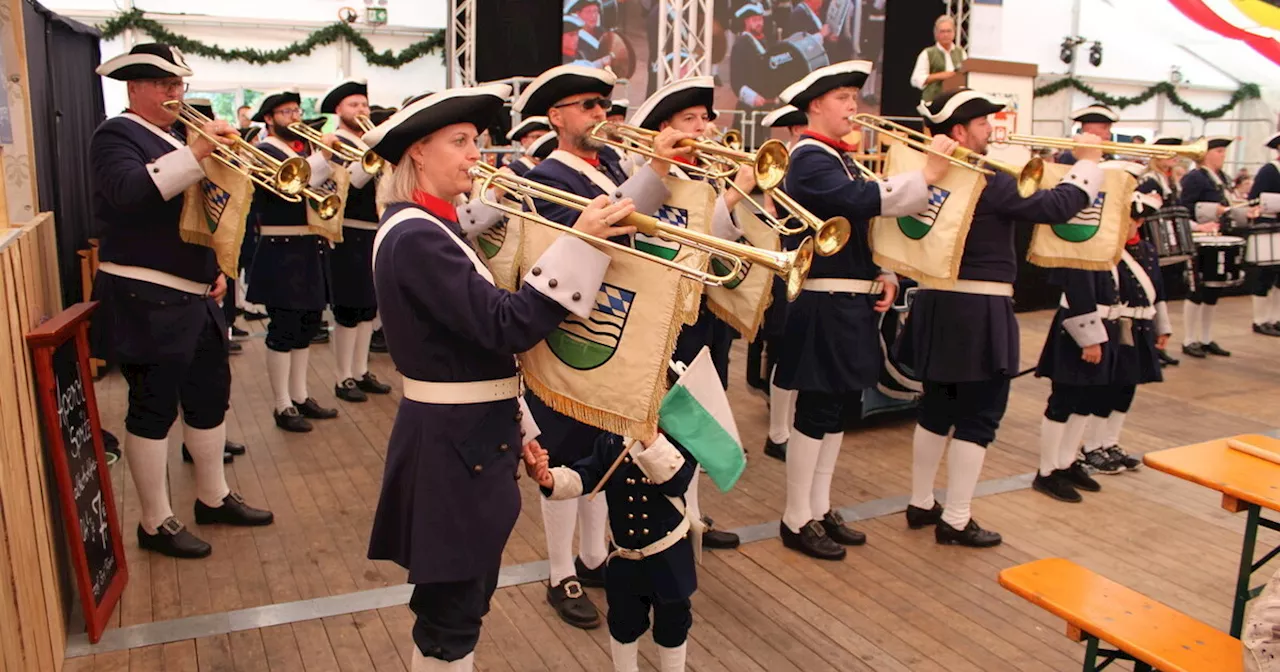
(696, 413)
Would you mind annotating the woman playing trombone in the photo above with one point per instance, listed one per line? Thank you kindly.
(449, 499)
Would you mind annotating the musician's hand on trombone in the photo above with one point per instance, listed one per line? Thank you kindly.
(1092, 353)
(886, 298)
(1087, 153)
(936, 164)
(601, 218)
(202, 147)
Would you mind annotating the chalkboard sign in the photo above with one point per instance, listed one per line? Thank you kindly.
(69, 410)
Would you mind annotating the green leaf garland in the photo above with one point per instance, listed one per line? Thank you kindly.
(328, 35)
(1245, 92)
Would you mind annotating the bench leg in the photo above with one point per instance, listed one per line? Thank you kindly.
(1245, 575)
(1091, 654)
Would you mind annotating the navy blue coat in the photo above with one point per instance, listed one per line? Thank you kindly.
(1198, 187)
(1060, 359)
(951, 337)
(520, 166)
(288, 271)
(140, 322)
(449, 493)
(1140, 363)
(1267, 181)
(351, 261)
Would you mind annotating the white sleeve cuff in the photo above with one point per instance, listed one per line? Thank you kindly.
(1206, 211)
(568, 484)
(722, 225)
(570, 273)
(746, 94)
(359, 178)
(476, 217)
(904, 194)
(1163, 324)
(320, 169)
(1238, 216)
(1087, 176)
(645, 189)
(1270, 203)
(174, 172)
(660, 461)
(528, 426)
(1087, 329)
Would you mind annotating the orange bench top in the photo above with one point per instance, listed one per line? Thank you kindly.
(1156, 634)
(1216, 466)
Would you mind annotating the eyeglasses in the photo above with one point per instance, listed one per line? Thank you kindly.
(589, 104)
(171, 85)
(288, 112)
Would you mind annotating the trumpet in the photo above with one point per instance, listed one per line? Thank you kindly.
(716, 161)
(1194, 151)
(1028, 176)
(729, 137)
(369, 161)
(285, 178)
(793, 267)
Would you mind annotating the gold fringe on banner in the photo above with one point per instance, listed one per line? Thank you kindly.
(748, 331)
(214, 211)
(1098, 250)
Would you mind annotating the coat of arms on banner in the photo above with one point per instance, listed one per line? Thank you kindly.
(918, 226)
(215, 203)
(1085, 224)
(330, 229)
(587, 344)
(1093, 239)
(690, 206)
(499, 247)
(660, 247)
(721, 266)
(214, 211)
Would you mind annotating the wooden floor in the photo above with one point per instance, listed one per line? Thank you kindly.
(900, 603)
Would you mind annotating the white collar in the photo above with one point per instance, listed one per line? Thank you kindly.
(168, 137)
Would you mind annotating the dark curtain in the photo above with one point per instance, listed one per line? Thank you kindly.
(66, 107)
(908, 30)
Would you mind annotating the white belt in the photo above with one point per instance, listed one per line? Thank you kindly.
(984, 287)
(155, 277)
(473, 392)
(360, 224)
(671, 539)
(285, 231)
(1119, 311)
(843, 286)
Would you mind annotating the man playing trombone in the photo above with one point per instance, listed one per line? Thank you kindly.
(354, 305)
(962, 341)
(831, 350)
(290, 274)
(158, 315)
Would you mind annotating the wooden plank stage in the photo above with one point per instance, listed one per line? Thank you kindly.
(900, 603)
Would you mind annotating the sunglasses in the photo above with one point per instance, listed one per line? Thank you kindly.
(589, 104)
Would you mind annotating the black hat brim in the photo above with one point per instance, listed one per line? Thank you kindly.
(341, 92)
(675, 103)
(570, 81)
(271, 102)
(966, 112)
(146, 61)
(392, 138)
(825, 80)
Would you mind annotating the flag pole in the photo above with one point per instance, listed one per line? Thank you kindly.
(626, 450)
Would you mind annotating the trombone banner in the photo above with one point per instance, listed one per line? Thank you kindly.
(609, 370)
(741, 302)
(928, 246)
(214, 211)
(330, 229)
(689, 207)
(1094, 238)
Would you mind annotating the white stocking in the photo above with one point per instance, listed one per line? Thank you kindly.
(148, 464)
(1206, 323)
(625, 656)
(558, 520)
(1050, 438)
(344, 350)
(206, 447)
(927, 449)
(964, 468)
(802, 460)
(593, 519)
(672, 659)
(824, 471)
(298, 374)
(1190, 322)
(278, 374)
(360, 359)
(1076, 428)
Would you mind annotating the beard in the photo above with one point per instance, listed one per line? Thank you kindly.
(587, 143)
(283, 132)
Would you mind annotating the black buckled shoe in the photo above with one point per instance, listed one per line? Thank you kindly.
(713, 538)
(312, 409)
(833, 525)
(1167, 359)
(972, 535)
(1123, 459)
(1056, 486)
(378, 342)
(572, 604)
(812, 540)
(347, 390)
(1213, 348)
(1194, 350)
(227, 456)
(233, 511)
(174, 540)
(590, 578)
(370, 384)
(234, 448)
(238, 333)
(918, 517)
(252, 316)
(777, 451)
(321, 337)
(234, 348)
(1267, 329)
(1078, 476)
(290, 420)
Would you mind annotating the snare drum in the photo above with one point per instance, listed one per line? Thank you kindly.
(1263, 246)
(1170, 231)
(1220, 260)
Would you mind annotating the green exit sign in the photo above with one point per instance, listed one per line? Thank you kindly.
(377, 16)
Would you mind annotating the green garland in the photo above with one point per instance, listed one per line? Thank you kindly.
(1245, 92)
(324, 36)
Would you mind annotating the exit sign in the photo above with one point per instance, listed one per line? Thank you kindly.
(377, 16)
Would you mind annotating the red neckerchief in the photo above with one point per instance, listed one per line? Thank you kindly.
(837, 144)
(436, 206)
(685, 160)
(1134, 240)
(297, 146)
(594, 161)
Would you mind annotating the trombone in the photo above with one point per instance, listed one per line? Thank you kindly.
(368, 160)
(1028, 176)
(792, 266)
(770, 161)
(1194, 151)
(285, 178)
(365, 122)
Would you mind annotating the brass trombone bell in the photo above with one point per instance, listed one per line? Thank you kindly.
(793, 267)
(716, 161)
(1194, 151)
(285, 178)
(368, 159)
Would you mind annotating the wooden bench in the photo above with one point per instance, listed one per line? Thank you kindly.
(1144, 630)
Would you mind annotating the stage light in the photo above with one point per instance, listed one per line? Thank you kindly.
(1068, 52)
(1175, 75)
(1095, 54)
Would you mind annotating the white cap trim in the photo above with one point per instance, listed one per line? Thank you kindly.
(529, 121)
(604, 76)
(661, 95)
(126, 60)
(809, 80)
(954, 103)
(1095, 109)
(772, 118)
(372, 138)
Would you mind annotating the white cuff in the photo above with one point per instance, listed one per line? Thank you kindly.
(1270, 203)
(747, 94)
(477, 217)
(645, 189)
(904, 194)
(1206, 212)
(1163, 324)
(568, 484)
(1238, 216)
(320, 169)
(660, 461)
(174, 172)
(359, 178)
(528, 426)
(570, 273)
(1087, 176)
(1086, 329)
(722, 225)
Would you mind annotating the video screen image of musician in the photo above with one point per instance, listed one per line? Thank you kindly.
(758, 47)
